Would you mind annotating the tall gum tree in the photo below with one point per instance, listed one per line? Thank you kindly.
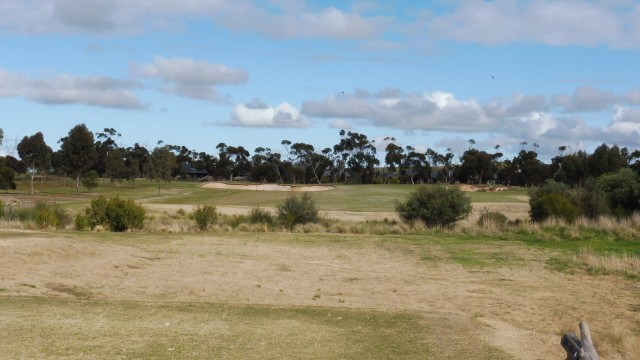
(78, 152)
(36, 156)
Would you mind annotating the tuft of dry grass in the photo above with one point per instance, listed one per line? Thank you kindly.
(608, 264)
(616, 341)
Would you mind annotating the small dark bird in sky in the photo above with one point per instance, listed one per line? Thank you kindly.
(492, 77)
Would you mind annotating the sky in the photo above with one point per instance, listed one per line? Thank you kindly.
(431, 74)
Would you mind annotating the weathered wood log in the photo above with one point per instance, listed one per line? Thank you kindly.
(579, 348)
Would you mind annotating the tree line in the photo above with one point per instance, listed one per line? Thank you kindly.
(353, 159)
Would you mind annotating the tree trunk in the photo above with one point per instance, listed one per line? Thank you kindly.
(579, 349)
(77, 184)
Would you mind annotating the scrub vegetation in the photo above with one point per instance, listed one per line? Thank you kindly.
(281, 274)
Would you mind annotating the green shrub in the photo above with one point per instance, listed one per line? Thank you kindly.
(50, 216)
(435, 205)
(96, 213)
(81, 222)
(236, 220)
(489, 218)
(560, 207)
(259, 215)
(539, 210)
(90, 180)
(205, 216)
(43, 215)
(115, 214)
(622, 191)
(591, 200)
(123, 215)
(296, 210)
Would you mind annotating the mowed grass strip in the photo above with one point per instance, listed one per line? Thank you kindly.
(358, 198)
(55, 328)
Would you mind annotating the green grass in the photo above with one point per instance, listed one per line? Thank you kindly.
(47, 327)
(376, 198)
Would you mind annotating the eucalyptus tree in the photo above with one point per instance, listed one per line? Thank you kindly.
(415, 165)
(395, 157)
(163, 162)
(571, 169)
(442, 163)
(78, 152)
(240, 158)
(7, 176)
(302, 158)
(358, 156)
(265, 165)
(36, 156)
(529, 170)
(224, 166)
(605, 159)
(116, 167)
(105, 144)
(476, 166)
(634, 160)
(137, 160)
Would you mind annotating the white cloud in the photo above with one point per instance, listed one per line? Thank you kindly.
(578, 22)
(624, 126)
(11, 84)
(259, 114)
(573, 23)
(341, 124)
(191, 78)
(68, 89)
(276, 19)
(533, 118)
(91, 15)
(93, 90)
(586, 98)
(391, 108)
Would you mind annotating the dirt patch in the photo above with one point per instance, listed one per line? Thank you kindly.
(521, 306)
(487, 188)
(267, 187)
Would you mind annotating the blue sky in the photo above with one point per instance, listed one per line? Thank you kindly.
(252, 73)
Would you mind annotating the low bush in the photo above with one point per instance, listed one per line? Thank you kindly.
(115, 214)
(552, 200)
(42, 215)
(296, 210)
(124, 215)
(205, 216)
(47, 216)
(435, 205)
(96, 213)
(259, 215)
(81, 222)
(622, 192)
(558, 206)
(492, 218)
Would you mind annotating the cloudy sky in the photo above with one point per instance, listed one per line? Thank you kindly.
(252, 73)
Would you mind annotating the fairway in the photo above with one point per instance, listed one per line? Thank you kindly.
(283, 295)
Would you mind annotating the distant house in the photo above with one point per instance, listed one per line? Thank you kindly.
(189, 172)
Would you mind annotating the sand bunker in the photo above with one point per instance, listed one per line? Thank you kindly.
(267, 187)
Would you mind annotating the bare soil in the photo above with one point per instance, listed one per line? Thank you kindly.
(268, 187)
(522, 306)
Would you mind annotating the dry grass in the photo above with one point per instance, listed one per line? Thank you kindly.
(492, 294)
(608, 264)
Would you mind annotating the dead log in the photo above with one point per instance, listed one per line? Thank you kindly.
(579, 348)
